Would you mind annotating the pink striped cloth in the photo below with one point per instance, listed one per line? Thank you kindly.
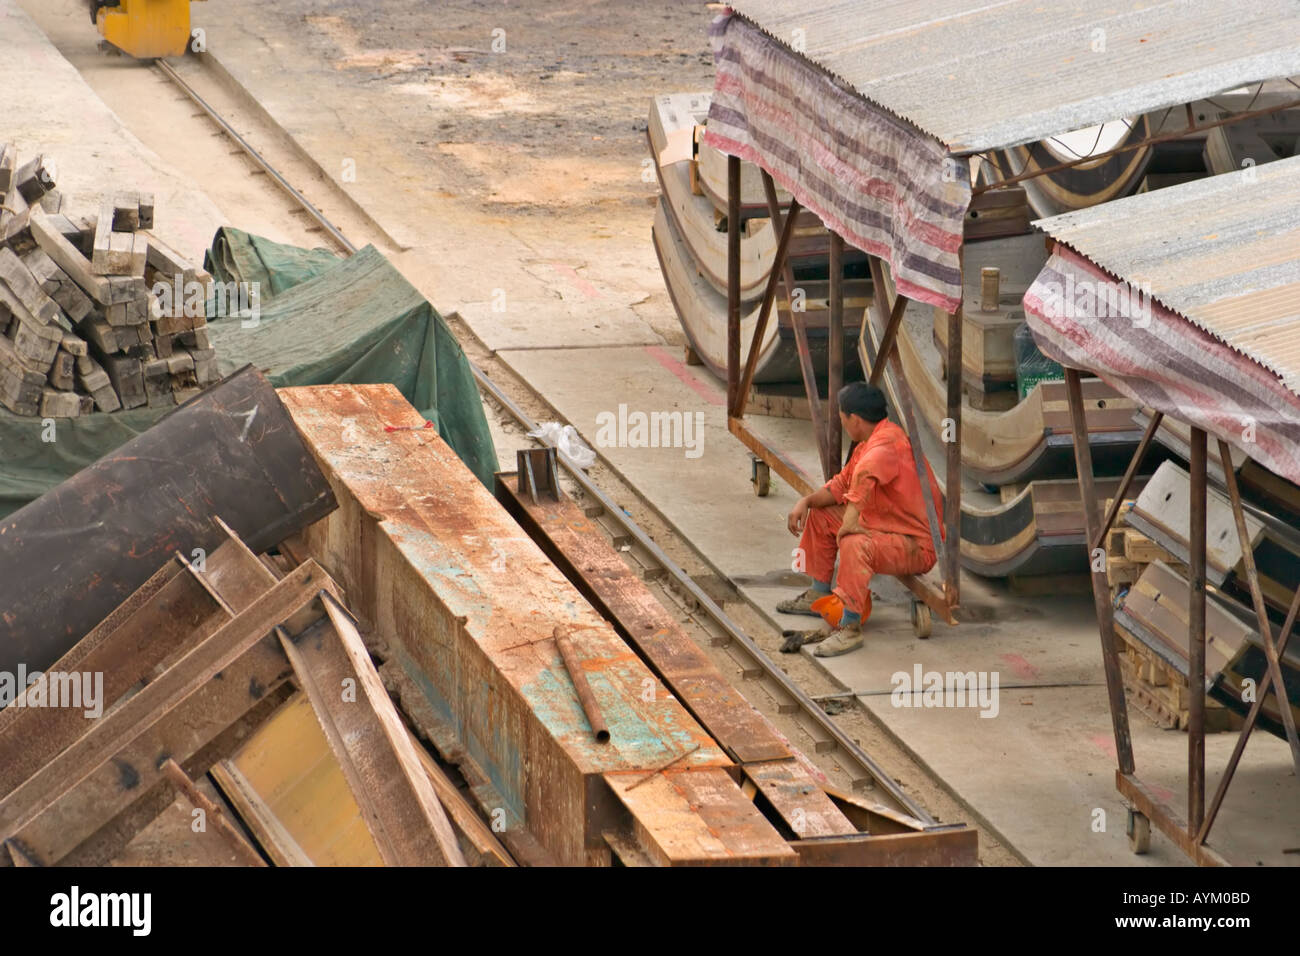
(886, 188)
(1083, 317)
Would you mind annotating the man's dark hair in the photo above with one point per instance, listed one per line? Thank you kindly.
(864, 400)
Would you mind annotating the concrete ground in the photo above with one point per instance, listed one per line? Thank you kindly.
(511, 181)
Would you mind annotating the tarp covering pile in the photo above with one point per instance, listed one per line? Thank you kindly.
(323, 321)
(885, 187)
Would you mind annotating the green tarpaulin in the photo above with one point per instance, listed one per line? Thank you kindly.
(323, 321)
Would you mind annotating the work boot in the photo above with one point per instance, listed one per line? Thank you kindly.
(801, 604)
(840, 641)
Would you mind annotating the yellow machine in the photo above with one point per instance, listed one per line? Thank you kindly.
(144, 29)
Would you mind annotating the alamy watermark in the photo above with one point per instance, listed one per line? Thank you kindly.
(1087, 299)
(80, 690)
(624, 429)
(178, 298)
(977, 689)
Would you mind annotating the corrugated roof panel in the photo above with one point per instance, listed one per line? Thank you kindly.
(1223, 252)
(983, 75)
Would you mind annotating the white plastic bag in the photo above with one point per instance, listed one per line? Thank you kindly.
(567, 440)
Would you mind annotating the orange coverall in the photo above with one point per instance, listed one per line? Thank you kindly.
(880, 479)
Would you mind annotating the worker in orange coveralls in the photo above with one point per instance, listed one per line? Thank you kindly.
(872, 515)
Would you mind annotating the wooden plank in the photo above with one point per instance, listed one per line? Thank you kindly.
(68, 258)
(100, 774)
(373, 747)
(802, 804)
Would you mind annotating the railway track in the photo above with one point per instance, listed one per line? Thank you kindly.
(830, 741)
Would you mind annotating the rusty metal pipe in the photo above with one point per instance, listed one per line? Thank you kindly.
(586, 698)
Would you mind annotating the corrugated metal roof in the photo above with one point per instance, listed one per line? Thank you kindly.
(1223, 252)
(983, 74)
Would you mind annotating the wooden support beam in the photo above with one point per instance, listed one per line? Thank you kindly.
(372, 745)
(1100, 583)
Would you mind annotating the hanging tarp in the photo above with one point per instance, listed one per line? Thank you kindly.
(887, 188)
(1083, 317)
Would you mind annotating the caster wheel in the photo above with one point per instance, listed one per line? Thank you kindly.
(1139, 832)
(761, 478)
(921, 621)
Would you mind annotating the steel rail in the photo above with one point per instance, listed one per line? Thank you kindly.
(829, 737)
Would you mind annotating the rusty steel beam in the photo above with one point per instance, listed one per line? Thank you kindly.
(733, 281)
(1100, 583)
(1166, 819)
(794, 476)
(211, 811)
(765, 311)
(373, 748)
(952, 509)
(1129, 474)
(1196, 637)
(939, 847)
(1257, 598)
(77, 552)
(1251, 718)
(467, 605)
(835, 354)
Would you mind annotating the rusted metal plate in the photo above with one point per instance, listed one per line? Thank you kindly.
(70, 557)
(179, 603)
(119, 759)
(371, 744)
(580, 550)
(803, 805)
(698, 818)
(467, 604)
(937, 847)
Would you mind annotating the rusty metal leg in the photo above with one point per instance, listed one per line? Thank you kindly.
(1100, 584)
(1134, 464)
(733, 280)
(1196, 639)
(889, 355)
(952, 509)
(765, 311)
(1249, 725)
(1257, 597)
(835, 352)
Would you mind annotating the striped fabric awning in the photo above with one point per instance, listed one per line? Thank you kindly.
(1083, 317)
(887, 188)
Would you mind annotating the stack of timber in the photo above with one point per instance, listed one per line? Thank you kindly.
(690, 238)
(488, 646)
(95, 314)
(1152, 613)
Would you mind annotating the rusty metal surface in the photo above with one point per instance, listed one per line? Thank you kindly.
(802, 804)
(936, 847)
(579, 549)
(698, 818)
(467, 604)
(77, 552)
(980, 76)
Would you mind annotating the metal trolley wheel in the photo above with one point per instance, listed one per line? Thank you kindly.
(921, 621)
(760, 476)
(1139, 832)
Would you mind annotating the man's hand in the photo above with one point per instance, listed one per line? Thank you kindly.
(850, 524)
(798, 515)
